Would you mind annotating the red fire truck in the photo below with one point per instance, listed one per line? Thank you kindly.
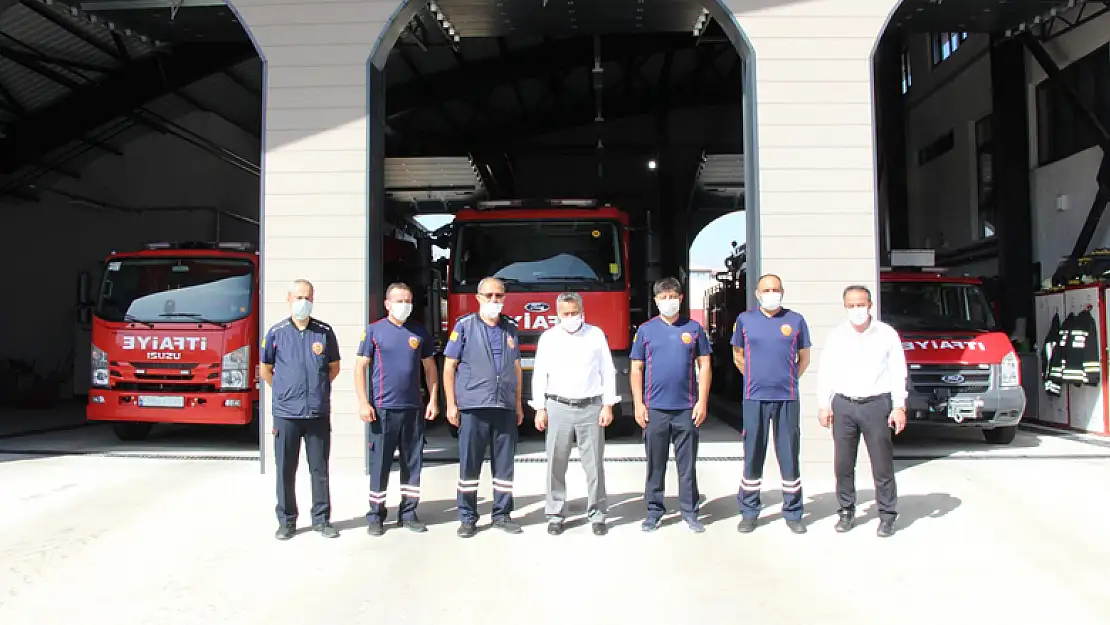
(963, 369)
(540, 249)
(174, 332)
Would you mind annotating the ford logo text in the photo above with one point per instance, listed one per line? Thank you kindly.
(953, 379)
(537, 307)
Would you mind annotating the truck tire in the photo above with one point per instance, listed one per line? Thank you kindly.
(132, 431)
(1001, 436)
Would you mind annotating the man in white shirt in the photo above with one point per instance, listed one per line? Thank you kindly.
(861, 389)
(573, 391)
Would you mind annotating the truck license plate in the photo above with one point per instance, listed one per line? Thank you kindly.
(960, 409)
(161, 401)
(527, 363)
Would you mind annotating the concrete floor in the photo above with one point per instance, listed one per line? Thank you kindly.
(987, 535)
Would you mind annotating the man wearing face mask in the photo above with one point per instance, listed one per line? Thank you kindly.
(770, 346)
(574, 386)
(861, 387)
(300, 360)
(482, 382)
(396, 349)
(671, 402)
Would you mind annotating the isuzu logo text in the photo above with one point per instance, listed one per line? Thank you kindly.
(973, 346)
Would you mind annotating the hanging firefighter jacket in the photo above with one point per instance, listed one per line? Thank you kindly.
(1048, 350)
(1073, 357)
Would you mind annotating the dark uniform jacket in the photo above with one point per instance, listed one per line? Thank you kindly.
(478, 382)
(302, 385)
(1075, 356)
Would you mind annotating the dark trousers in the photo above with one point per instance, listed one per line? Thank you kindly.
(850, 420)
(396, 430)
(316, 433)
(759, 418)
(479, 429)
(664, 428)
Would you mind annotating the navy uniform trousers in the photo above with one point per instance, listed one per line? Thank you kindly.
(479, 429)
(759, 418)
(396, 430)
(316, 432)
(665, 427)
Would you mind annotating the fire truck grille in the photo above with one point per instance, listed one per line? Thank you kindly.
(954, 379)
(165, 365)
(160, 387)
(529, 338)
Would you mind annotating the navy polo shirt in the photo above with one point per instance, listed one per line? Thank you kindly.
(302, 385)
(669, 353)
(396, 352)
(771, 347)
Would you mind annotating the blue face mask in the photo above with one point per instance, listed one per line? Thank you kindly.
(302, 309)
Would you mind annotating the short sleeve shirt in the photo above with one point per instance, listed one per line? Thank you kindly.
(771, 346)
(301, 386)
(396, 353)
(669, 353)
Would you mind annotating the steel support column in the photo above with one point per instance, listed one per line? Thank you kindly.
(1009, 164)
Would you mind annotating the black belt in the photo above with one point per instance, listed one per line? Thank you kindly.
(575, 403)
(863, 400)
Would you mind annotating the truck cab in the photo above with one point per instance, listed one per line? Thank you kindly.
(963, 369)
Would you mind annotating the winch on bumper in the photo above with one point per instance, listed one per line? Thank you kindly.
(962, 396)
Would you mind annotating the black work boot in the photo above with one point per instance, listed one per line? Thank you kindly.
(845, 522)
(508, 525)
(746, 525)
(414, 525)
(886, 528)
(327, 530)
(375, 528)
(285, 531)
(467, 530)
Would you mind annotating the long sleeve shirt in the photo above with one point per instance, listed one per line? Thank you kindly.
(574, 366)
(862, 364)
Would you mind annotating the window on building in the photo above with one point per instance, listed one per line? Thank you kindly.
(945, 45)
(987, 203)
(1062, 130)
(907, 78)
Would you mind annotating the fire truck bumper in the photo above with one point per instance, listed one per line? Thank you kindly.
(189, 408)
(995, 408)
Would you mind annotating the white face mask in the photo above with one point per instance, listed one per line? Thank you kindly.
(491, 310)
(571, 324)
(668, 307)
(770, 300)
(858, 316)
(302, 309)
(400, 310)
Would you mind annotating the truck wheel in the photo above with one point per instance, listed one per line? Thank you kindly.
(1001, 436)
(132, 431)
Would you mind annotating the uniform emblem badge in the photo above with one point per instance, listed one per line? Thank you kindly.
(414, 342)
(786, 329)
(454, 336)
(687, 338)
(510, 341)
(317, 348)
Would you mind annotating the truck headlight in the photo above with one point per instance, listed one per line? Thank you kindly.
(233, 374)
(99, 367)
(1009, 371)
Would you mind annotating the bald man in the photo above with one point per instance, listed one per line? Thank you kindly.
(770, 346)
(482, 383)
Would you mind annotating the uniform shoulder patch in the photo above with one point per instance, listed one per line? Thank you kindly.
(454, 336)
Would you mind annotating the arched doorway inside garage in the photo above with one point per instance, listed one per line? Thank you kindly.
(717, 289)
(574, 80)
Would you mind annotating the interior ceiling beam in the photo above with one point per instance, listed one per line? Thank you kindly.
(51, 16)
(94, 105)
(519, 65)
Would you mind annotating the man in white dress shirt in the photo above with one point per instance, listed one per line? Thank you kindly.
(862, 390)
(573, 391)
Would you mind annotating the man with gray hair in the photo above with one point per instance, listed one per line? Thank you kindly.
(300, 360)
(573, 391)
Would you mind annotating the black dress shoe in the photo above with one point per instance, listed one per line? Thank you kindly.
(746, 525)
(375, 528)
(285, 532)
(796, 526)
(886, 528)
(845, 522)
(554, 528)
(467, 530)
(327, 530)
(508, 526)
(600, 529)
(414, 525)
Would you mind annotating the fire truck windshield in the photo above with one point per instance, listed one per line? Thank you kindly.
(176, 290)
(939, 306)
(539, 255)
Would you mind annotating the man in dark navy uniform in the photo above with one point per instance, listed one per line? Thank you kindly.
(300, 360)
(770, 346)
(397, 349)
(482, 384)
(671, 376)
